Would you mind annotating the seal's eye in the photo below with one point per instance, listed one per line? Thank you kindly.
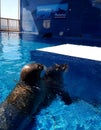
(40, 67)
(65, 67)
(58, 68)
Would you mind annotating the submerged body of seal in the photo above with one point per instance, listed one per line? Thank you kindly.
(53, 82)
(24, 100)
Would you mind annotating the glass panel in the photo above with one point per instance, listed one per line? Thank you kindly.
(10, 9)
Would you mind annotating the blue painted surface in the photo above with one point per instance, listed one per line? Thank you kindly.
(83, 18)
(83, 80)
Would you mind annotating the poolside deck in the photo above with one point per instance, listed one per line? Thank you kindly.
(87, 52)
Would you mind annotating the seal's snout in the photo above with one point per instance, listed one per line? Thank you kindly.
(61, 67)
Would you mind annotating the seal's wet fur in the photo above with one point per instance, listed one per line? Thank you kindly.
(23, 100)
(53, 80)
(31, 94)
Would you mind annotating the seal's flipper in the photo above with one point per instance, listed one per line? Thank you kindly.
(65, 97)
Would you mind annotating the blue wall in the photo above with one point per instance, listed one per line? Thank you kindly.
(83, 18)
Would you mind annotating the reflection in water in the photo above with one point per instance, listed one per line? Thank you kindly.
(10, 46)
(14, 53)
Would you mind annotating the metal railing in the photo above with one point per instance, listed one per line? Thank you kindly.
(7, 24)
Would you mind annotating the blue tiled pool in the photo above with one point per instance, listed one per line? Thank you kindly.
(83, 81)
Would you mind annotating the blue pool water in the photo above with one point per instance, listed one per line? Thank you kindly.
(14, 53)
(80, 115)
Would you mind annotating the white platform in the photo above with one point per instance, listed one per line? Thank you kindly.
(93, 53)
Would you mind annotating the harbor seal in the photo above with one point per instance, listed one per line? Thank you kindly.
(53, 80)
(16, 110)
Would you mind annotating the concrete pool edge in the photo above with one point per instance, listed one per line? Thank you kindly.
(51, 55)
(80, 51)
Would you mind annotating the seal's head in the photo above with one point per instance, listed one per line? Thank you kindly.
(30, 74)
(57, 69)
(55, 72)
(60, 67)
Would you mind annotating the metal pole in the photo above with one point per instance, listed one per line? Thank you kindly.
(18, 9)
(0, 8)
(0, 14)
(19, 15)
